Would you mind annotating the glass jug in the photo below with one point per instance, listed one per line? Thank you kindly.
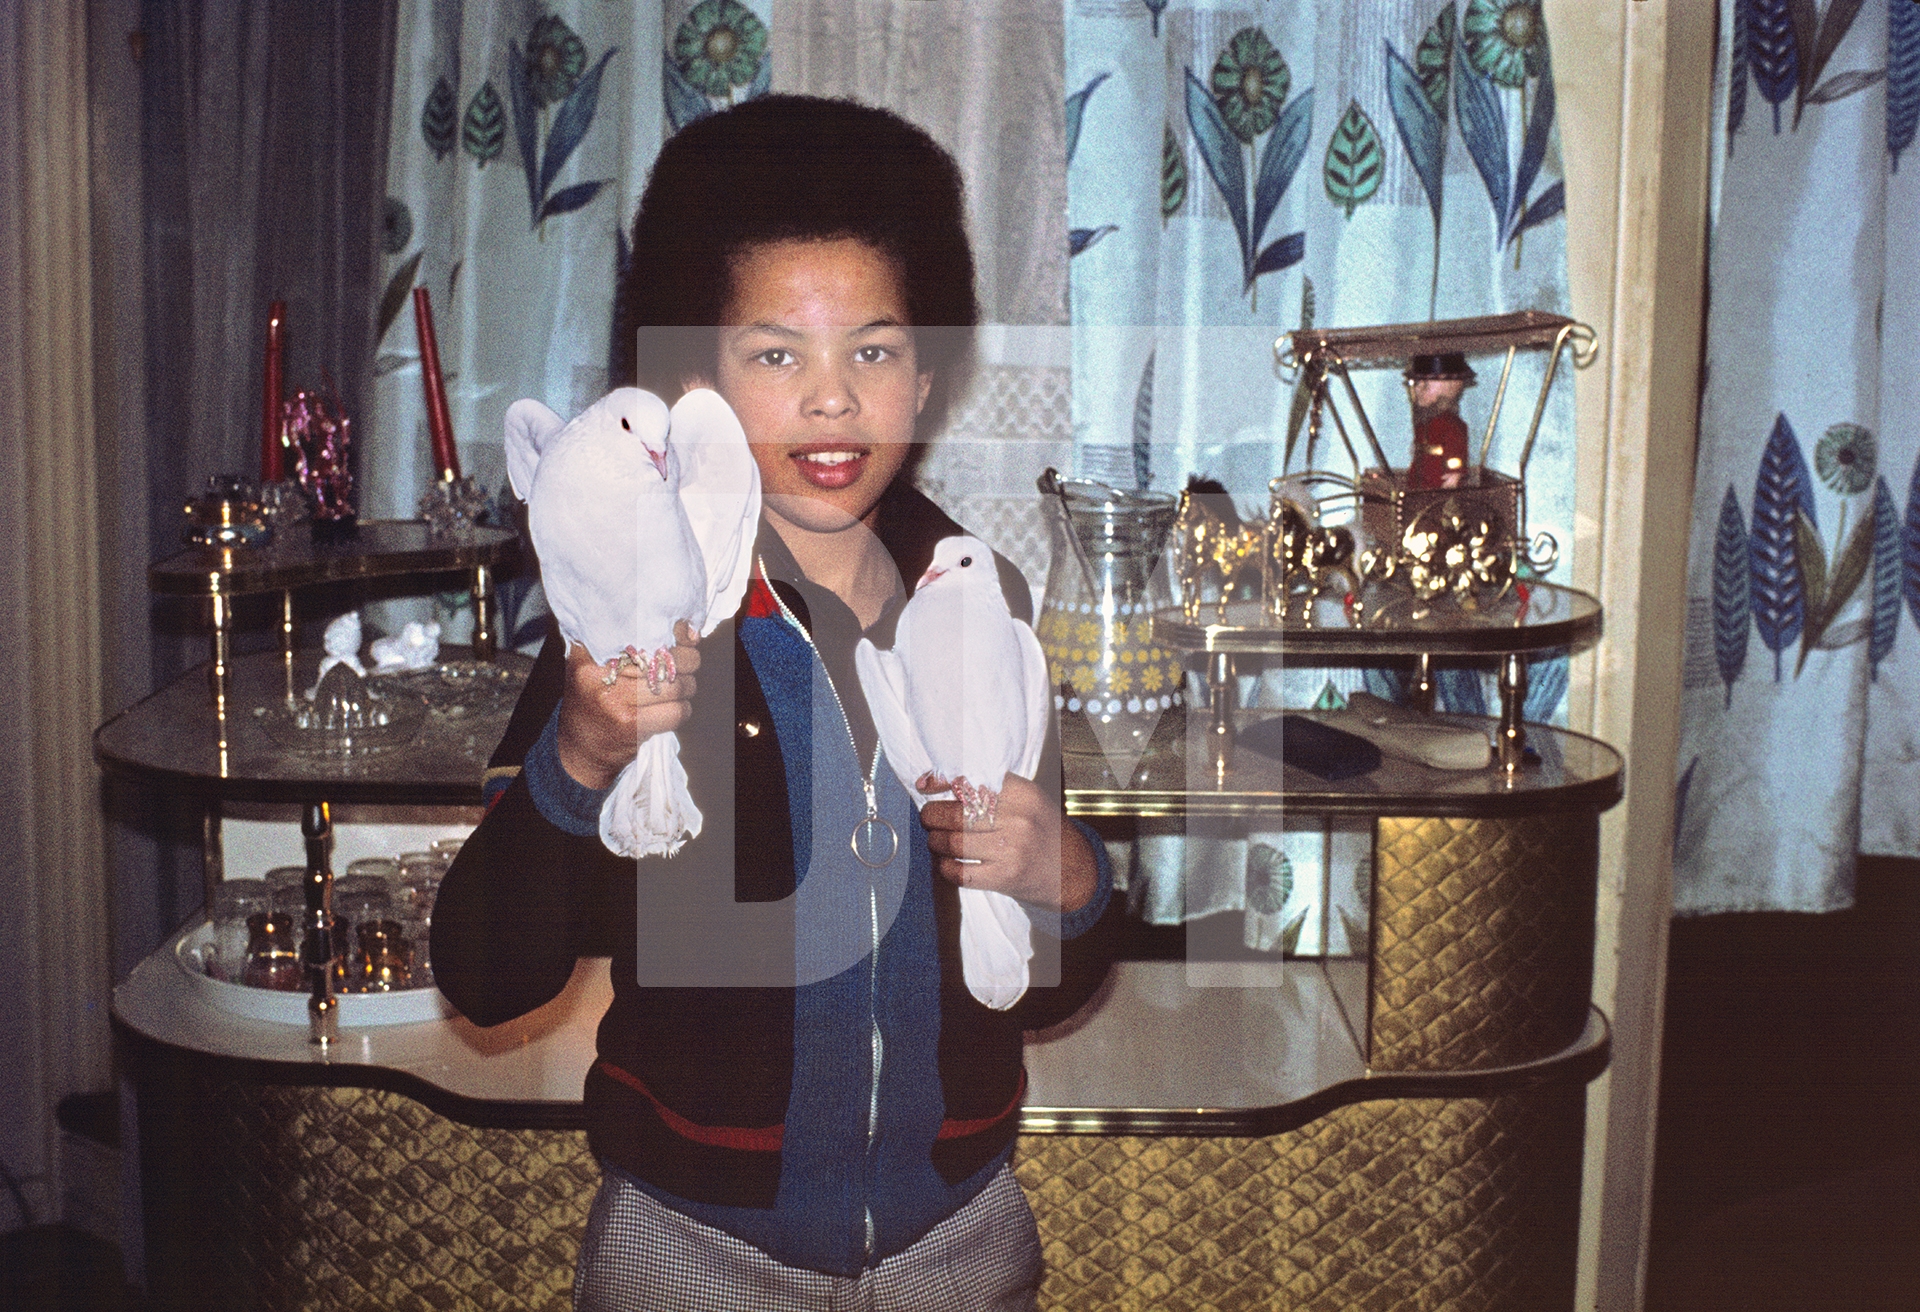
(1112, 684)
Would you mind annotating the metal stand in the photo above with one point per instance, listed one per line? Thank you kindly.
(1511, 743)
(1420, 690)
(323, 1009)
(1220, 699)
(484, 637)
(220, 673)
(286, 638)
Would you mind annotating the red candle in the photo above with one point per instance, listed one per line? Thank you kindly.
(272, 467)
(439, 418)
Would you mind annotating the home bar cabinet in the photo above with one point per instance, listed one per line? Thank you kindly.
(1397, 1127)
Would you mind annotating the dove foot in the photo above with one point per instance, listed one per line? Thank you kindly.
(980, 805)
(660, 669)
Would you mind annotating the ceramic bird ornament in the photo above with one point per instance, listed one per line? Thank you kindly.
(964, 696)
(642, 517)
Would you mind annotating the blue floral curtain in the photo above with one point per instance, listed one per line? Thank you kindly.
(1239, 169)
(1800, 743)
(521, 139)
(1231, 171)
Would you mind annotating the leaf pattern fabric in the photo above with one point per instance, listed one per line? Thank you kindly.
(1354, 159)
(1782, 494)
(1795, 763)
(483, 132)
(1732, 592)
(1903, 79)
(1772, 52)
(1265, 163)
(1886, 576)
(520, 140)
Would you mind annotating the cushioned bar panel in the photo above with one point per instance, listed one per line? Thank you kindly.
(319, 1199)
(1435, 1205)
(1482, 940)
(353, 1199)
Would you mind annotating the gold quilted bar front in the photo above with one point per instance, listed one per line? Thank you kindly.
(357, 1199)
(352, 1199)
(1482, 939)
(1440, 1205)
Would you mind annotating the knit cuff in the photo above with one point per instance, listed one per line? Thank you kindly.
(566, 803)
(1075, 923)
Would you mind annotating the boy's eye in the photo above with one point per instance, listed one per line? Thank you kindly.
(872, 354)
(776, 356)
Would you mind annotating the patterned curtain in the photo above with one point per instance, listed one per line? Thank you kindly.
(522, 136)
(1239, 169)
(1800, 744)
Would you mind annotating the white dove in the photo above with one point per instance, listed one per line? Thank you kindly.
(641, 518)
(964, 694)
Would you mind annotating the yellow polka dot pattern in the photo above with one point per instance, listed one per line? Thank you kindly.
(1107, 661)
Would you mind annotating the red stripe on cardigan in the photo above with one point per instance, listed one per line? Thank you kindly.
(760, 600)
(952, 1129)
(743, 1137)
(768, 1139)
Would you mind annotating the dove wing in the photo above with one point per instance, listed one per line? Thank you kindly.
(1039, 694)
(720, 488)
(883, 683)
(530, 426)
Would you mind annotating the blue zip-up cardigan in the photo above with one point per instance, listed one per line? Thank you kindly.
(754, 1109)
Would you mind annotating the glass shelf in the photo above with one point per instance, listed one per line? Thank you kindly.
(1564, 771)
(1546, 618)
(1261, 1048)
(177, 737)
(380, 548)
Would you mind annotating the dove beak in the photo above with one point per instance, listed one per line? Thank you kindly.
(933, 572)
(659, 459)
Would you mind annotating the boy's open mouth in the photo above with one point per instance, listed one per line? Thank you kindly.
(830, 467)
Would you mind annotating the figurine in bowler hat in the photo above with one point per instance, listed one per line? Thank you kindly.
(1434, 385)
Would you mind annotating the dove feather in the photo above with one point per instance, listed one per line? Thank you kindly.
(883, 680)
(716, 464)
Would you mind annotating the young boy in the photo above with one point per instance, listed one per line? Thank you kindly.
(845, 1142)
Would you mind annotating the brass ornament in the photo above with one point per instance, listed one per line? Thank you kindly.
(1304, 558)
(1449, 552)
(1210, 545)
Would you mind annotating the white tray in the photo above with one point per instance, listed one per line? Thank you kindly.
(356, 1009)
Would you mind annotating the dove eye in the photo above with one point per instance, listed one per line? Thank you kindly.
(624, 424)
(965, 561)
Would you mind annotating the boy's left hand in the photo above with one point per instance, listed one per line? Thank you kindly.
(1028, 853)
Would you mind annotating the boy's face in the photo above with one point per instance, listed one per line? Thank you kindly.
(816, 356)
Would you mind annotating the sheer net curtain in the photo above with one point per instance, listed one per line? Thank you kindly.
(243, 165)
(1098, 135)
(520, 140)
(984, 78)
(1800, 740)
(53, 950)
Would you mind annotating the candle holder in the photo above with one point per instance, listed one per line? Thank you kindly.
(228, 514)
(453, 508)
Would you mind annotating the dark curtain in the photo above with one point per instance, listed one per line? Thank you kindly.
(264, 127)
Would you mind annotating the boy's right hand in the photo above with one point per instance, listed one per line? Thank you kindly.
(603, 724)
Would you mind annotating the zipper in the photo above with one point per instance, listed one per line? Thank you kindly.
(869, 785)
(879, 1046)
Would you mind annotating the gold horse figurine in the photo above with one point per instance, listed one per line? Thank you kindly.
(1304, 556)
(1210, 543)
